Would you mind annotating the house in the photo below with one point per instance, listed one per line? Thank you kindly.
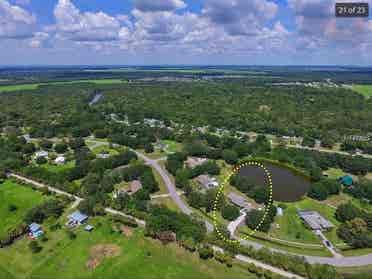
(76, 219)
(346, 180)
(193, 162)
(279, 211)
(89, 228)
(103, 155)
(35, 230)
(207, 181)
(41, 153)
(314, 220)
(252, 136)
(135, 186)
(238, 200)
(60, 160)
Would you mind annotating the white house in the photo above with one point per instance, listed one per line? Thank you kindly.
(41, 153)
(60, 160)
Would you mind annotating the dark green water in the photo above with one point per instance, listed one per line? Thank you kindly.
(287, 185)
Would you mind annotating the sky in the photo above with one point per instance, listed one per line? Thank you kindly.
(188, 32)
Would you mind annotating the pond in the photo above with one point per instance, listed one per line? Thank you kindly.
(287, 185)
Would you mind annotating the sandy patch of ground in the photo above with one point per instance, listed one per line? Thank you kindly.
(127, 231)
(100, 252)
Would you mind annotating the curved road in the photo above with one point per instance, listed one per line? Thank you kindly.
(171, 187)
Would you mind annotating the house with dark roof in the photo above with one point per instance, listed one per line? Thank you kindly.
(239, 201)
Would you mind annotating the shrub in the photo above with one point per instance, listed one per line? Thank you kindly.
(12, 208)
(205, 252)
(230, 212)
(34, 247)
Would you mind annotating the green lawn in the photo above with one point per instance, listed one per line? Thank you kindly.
(168, 202)
(139, 257)
(172, 146)
(365, 90)
(335, 173)
(59, 168)
(104, 148)
(32, 86)
(22, 197)
(292, 228)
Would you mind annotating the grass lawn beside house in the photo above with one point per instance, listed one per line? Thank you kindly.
(23, 197)
(136, 257)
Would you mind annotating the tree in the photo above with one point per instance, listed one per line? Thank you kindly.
(230, 212)
(34, 247)
(46, 144)
(347, 211)
(316, 173)
(29, 148)
(182, 178)
(318, 191)
(60, 148)
(100, 133)
(149, 148)
(205, 252)
(196, 199)
(41, 160)
(230, 156)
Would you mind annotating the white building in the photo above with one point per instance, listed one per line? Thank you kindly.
(207, 181)
(60, 160)
(41, 153)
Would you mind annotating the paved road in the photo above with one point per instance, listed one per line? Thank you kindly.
(165, 195)
(168, 182)
(328, 244)
(235, 224)
(171, 188)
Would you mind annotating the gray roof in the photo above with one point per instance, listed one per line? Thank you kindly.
(238, 200)
(77, 216)
(314, 220)
(34, 227)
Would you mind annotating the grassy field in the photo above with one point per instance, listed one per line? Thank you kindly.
(364, 272)
(103, 148)
(334, 173)
(172, 146)
(137, 257)
(291, 227)
(32, 86)
(59, 168)
(168, 202)
(22, 197)
(365, 90)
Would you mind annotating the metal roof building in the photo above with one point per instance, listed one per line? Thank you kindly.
(78, 217)
(314, 220)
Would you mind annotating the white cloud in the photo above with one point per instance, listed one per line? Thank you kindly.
(158, 5)
(77, 26)
(240, 17)
(15, 22)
